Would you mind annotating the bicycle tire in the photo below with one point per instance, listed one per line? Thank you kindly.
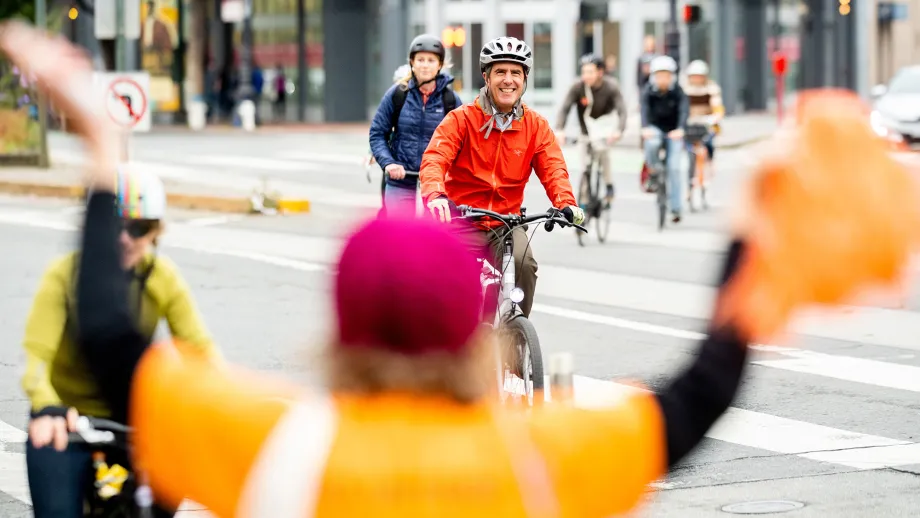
(584, 193)
(602, 218)
(662, 192)
(523, 327)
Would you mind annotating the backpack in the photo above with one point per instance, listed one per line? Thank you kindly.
(399, 99)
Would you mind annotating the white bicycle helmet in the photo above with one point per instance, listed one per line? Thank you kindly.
(698, 67)
(140, 195)
(662, 64)
(506, 50)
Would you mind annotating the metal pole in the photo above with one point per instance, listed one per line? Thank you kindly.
(863, 21)
(302, 80)
(672, 33)
(246, 90)
(121, 45)
(41, 21)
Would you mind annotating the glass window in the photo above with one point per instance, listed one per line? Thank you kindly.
(456, 58)
(543, 55)
(515, 30)
(475, 46)
(275, 44)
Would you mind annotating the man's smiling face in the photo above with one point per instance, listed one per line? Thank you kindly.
(506, 85)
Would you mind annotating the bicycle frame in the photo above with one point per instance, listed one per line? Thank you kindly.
(506, 308)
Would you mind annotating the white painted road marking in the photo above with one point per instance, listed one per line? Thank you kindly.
(738, 426)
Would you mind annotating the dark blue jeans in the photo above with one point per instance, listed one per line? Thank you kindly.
(57, 480)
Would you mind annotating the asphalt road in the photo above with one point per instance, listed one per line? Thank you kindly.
(828, 419)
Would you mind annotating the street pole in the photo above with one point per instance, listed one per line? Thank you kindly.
(246, 90)
(302, 83)
(41, 21)
(863, 24)
(121, 44)
(672, 33)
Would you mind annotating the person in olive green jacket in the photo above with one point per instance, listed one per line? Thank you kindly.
(58, 381)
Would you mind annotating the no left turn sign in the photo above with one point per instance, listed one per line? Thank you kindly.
(126, 98)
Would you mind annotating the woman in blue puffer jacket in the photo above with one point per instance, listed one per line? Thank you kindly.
(406, 119)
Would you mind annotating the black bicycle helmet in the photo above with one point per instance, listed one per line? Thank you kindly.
(593, 59)
(426, 43)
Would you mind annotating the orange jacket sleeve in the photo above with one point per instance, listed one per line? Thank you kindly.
(549, 164)
(198, 429)
(601, 461)
(440, 154)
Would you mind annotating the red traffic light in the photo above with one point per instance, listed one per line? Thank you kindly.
(779, 63)
(692, 13)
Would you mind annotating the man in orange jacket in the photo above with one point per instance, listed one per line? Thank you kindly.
(464, 165)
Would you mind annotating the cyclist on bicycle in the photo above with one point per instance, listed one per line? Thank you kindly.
(601, 95)
(664, 109)
(58, 379)
(398, 75)
(409, 385)
(407, 116)
(705, 102)
(465, 166)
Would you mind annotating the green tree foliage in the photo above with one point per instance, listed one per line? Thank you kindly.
(17, 9)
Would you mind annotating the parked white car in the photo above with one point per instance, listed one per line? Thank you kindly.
(896, 108)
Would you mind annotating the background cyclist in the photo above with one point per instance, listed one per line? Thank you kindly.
(57, 377)
(664, 110)
(406, 118)
(601, 95)
(705, 101)
(491, 173)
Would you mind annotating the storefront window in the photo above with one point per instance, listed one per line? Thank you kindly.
(456, 57)
(275, 44)
(159, 41)
(475, 46)
(543, 55)
(515, 30)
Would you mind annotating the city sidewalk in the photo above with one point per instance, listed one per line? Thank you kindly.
(66, 181)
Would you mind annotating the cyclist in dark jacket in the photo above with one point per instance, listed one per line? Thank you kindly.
(399, 150)
(664, 107)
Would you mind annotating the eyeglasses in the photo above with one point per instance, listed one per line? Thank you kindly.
(138, 228)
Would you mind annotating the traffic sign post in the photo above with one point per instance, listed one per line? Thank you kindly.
(127, 103)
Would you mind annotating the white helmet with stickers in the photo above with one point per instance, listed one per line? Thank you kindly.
(140, 195)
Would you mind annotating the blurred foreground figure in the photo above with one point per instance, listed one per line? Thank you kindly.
(409, 427)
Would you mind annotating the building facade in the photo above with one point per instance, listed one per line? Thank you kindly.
(337, 57)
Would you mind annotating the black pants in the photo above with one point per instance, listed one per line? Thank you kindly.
(57, 480)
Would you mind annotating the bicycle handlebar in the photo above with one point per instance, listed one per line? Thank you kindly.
(93, 430)
(552, 217)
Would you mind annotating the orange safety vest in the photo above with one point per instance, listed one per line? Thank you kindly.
(243, 445)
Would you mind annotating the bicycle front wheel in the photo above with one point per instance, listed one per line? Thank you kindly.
(585, 201)
(523, 360)
(662, 199)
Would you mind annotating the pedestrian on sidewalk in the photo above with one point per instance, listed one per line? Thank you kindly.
(406, 119)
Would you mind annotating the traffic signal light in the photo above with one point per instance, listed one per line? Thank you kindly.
(844, 7)
(694, 13)
(453, 37)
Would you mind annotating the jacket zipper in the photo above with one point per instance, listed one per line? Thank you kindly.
(498, 154)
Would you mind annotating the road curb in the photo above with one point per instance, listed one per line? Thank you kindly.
(240, 205)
